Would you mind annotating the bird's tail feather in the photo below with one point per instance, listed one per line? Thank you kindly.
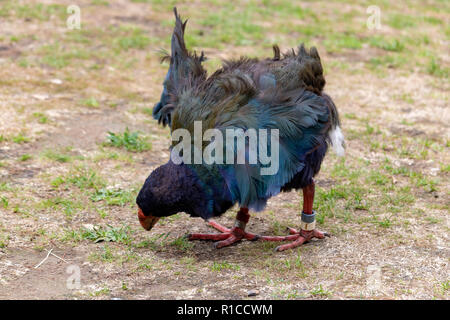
(335, 135)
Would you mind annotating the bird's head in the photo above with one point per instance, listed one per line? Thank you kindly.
(147, 214)
(152, 201)
(147, 222)
(168, 190)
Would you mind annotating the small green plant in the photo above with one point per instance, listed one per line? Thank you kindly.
(182, 243)
(445, 286)
(41, 117)
(55, 156)
(57, 182)
(108, 234)
(20, 138)
(90, 102)
(5, 186)
(128, 140)
(434, 68)
(384, 223)
(152, 243)
(102, 292)
(219, 266)
(25, 157)
(85, 178)
(68, 206)
(4, 240)
(41, 12)
(401, 21)
(381, 42)
(148, 111)
(114, 197)
(100, 3)
(320, 292)
(71, 235)
(134, 39)
(4, 201)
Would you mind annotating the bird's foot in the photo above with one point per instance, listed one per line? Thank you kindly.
(227, 236)
(299, 237)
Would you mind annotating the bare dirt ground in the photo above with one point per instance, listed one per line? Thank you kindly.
(64, 188)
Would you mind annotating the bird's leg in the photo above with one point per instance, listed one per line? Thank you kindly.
(237, 233)
(308, 224)
(227, 236)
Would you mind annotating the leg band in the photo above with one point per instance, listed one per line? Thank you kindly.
(308, 221)
(239, 224)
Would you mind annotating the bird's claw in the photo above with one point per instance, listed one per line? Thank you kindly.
(303, 236)
(227, 236)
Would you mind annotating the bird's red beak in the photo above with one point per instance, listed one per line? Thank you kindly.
(147, 222)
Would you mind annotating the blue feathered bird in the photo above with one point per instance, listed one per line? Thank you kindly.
(282, 96)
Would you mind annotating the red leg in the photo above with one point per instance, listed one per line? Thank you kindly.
(308, 230)
(237, 233)
(308, 198)
(228, 236)
(219, 227)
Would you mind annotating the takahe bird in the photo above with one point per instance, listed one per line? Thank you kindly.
(282, 95)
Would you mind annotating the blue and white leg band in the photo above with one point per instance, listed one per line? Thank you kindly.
(308, 221)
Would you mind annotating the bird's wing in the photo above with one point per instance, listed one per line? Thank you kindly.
(301, 118)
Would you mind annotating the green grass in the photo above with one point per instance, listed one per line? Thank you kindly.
(436, 69)
(36, 12)
(445, 286)
(20, 138)
(338, 200)
(182, 244)
(135, 38)
(4, 241)
(101, 292)
(90, 102)
(131, 141)
(4, 202)
(388, 61)
(55, 156)
(58, 56)
(25, 157)
(387, 44)
(108, 234)
(401, 21)
(155, 242)
(114, 197)
(100, 3)
(384, 223)
(337, 42)
(59, 204)
(4, 186)
(296, 264)
(224, 265)
(82, 177)
(320, 292)
(42, 118)
(241, 30)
